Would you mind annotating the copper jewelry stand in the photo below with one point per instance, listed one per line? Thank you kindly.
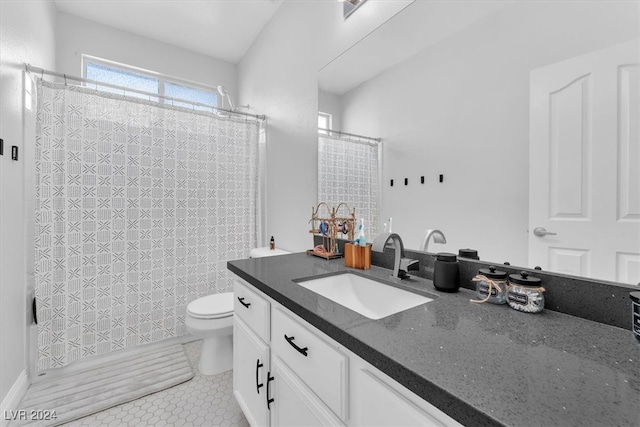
(328, 226)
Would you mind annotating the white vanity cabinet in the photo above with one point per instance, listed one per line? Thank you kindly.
(377, 400)
(294, 403)
(316, 360)
(287, 373)
(267, 375)
(251, 363)
(251, 355)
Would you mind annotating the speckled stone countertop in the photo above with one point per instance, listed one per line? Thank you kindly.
(482, 364)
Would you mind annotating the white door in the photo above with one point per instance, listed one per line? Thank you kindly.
(584, 166)
(250, 368)
(294, 405)
(376, 402)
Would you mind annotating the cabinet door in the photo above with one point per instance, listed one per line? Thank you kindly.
(293, 403)
(250, 367)
(379, 401)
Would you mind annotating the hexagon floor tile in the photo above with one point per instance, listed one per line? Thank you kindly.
(201, 401)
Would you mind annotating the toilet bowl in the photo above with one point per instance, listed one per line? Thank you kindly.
(211, 319)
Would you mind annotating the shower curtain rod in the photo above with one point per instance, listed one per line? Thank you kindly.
(35, 71)
(351, 134)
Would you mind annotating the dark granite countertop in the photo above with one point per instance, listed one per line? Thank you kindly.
(482, 364)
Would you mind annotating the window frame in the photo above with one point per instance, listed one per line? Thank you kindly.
(162, 78)
(329, 119)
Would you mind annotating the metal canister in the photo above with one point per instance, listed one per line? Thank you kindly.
(525, 293)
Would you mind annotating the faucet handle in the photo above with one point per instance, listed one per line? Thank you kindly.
(407, 264)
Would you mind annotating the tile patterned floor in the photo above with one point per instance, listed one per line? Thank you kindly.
(202, 401)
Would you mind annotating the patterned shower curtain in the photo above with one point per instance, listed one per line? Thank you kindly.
(139, 206)
(348, 173)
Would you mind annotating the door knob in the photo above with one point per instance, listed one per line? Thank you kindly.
(541, 232)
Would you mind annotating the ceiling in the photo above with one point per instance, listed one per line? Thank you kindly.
(419, 25)
(223, 29)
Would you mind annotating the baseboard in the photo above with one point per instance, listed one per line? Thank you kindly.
(13, 398)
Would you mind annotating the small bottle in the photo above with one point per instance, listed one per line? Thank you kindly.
(361, 240)
(390, 223)
(272, 244)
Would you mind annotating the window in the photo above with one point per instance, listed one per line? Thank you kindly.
(114, 76)
(150, 82)
(175, 90)
(324, 122)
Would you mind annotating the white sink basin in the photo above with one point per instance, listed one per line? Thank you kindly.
(368, 297)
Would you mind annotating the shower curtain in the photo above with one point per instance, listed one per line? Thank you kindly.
(348, 173)
(139, 206)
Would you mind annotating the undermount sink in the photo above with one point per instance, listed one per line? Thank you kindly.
(368, 297)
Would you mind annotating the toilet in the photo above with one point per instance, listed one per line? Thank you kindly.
(210, 318)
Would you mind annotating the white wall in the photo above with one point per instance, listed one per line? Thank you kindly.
(77, 36)
(461, 108)
(278, 76)
(335, 35)
(27, 35)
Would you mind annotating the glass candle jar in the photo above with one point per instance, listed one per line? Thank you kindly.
(525, 293)
(635, 315)
(491, 285)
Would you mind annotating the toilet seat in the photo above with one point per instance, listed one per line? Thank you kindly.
(214, 306)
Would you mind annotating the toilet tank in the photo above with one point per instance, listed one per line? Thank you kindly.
(265, 252)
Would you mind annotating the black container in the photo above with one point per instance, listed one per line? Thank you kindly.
(635, 314)
(468, 253)
(446, 275)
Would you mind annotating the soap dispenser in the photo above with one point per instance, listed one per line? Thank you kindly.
(446, 275)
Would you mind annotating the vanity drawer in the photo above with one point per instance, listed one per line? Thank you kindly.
(321, 366)
(252, 308)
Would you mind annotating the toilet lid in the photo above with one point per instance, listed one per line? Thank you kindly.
(266, 252)
(212, 306)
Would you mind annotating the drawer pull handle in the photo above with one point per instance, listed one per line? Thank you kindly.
(246, 304)
(303, 351)
(269, 400)
(258, 366)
